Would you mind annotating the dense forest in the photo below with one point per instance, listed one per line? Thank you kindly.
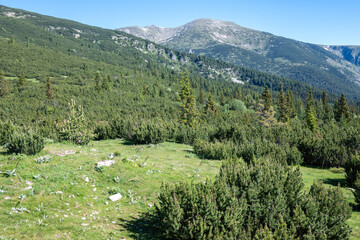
(262, 129)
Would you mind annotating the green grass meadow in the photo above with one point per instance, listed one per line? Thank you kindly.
(68, 197)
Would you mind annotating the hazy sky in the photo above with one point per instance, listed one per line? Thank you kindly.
(314, 21)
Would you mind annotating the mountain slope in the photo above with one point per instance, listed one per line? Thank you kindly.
(313, 64)
(122, 51)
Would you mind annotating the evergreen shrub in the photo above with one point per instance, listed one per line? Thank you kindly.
(352, 169)
(25, 142)
(6, 130)
(262, 199)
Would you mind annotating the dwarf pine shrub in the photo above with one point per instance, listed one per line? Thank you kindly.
(262, 199)
(25, 142)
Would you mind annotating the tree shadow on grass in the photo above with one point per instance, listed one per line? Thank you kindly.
(336, 181)
(355, 207)
(143, 227)
(5, 153)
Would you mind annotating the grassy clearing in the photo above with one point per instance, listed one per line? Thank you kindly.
(334, 179)
(34, 80)
(68, 197)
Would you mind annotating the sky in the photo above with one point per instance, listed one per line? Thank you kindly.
(331, 22)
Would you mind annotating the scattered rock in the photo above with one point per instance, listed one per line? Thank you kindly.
(29, 183)
(7, 197)
(351, 189)
(85, 224)
(87, 179)
(28, 188)
(106, 203)
(66, 216)
(89, 204)
(83, 218)
(71, 196)
(115, 197)
(105, 163)
(63, 153)
(95, 213)
(59, 192)
(94, 189)
(93, 150)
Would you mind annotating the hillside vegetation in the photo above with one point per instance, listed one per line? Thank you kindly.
(73, 85)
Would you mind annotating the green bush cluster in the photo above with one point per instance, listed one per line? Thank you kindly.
(251, 201)
(6, 130)
(352, 169)
(25, 142)
(357, 190)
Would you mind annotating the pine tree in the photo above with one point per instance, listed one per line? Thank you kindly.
(282, 105)
(106, 83)
(222, 99)
(291, 109)
(210, 106)
(12, 40)
(185, 86)
(4, 85)
(75, 128)
(201, 97)
(267, 99)
(49, 91)
(238, 94)
(266, 111)
(189, 112)
(97, 82)
(21, 80)
(342, 109)
(327, 110)
(310, 113)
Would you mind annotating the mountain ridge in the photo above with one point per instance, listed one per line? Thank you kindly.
(323, 66)
(121, 49)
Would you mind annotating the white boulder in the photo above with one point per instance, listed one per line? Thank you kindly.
(105, 163)
(115, 197)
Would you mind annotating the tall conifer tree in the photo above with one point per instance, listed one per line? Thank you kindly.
(342, 109)
(290, 102)
(267, 98)
(201, 97)
(310, 113)
(189, 112)
(21, 80)
(97, 82)
(210, 106)
(327, 110)
(282, 105)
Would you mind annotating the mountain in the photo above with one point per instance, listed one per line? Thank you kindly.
(349, 53)
(120, 51)
(335, 68)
